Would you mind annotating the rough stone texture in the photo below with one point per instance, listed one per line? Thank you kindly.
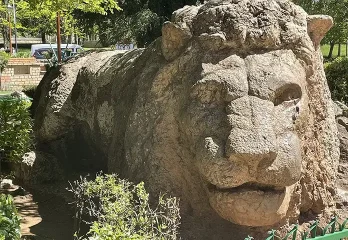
(38, 167)
(318, 26)
(229, 110)
(342, 125)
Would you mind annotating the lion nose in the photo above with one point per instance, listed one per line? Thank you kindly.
(252, 137)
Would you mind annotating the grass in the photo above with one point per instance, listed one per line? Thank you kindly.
(326, 48)
(5, 92)
(23, 53)
(24, 50)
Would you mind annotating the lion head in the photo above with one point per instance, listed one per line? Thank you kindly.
(245, 111)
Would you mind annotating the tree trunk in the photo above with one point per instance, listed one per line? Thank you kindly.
(4, 28)
(0, 164)
(3, 32)
(5, 36)
(43, 37)
(339, 50)
(72, 41)
(332, 45)
(68, 39)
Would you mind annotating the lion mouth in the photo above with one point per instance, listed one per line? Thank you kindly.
(247, 187)
(250, 204)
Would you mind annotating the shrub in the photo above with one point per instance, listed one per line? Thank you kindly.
(121, 210)
(22, 55)
(337, 78)
(15, 128)
(3, 60)
(9, 219)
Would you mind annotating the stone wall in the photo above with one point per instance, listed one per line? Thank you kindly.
(21, 72)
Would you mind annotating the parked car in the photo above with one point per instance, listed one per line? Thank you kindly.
(41, 51)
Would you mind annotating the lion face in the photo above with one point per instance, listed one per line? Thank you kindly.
(243, 120)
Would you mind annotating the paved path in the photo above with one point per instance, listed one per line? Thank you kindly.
(44, 217)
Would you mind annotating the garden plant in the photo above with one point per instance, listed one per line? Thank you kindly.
(114, 208)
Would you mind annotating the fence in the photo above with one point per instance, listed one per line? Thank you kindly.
(333, 231)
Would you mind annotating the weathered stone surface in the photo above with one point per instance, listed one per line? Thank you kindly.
(342, 125)
(318, 26)
(229, 110)
(38, 167)
(341, 110)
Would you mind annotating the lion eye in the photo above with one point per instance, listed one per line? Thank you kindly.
(288, 94)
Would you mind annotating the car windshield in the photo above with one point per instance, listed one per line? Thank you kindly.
(41, 53)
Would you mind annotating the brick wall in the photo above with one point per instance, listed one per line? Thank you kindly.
(21, 72)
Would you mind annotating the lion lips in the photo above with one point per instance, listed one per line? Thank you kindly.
(250, 204)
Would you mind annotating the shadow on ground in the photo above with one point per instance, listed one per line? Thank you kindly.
(44, 217)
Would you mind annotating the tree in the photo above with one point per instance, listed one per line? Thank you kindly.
(338, 9)
(29, 21)
(15, 128)
(66, 7)
(140, 21)
(4, 16)
(96, 6)
(35, 21)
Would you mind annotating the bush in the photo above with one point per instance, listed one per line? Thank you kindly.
(121, 210)
(9, 219)
(15, 128)
(3, 60)
(22, 55)
(337, 78)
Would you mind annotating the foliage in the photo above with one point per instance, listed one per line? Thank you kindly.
(338, 9)
(22, 55)
(35, 21)
(45, 13)
(140, 21)
(325, 48)
(9, 219)
(337, 78)
(38, 17)
(15, 127)
(3, 60)
(128, 29)
(121, 210)
(96, 6)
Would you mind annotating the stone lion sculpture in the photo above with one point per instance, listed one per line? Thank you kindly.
(229, 111)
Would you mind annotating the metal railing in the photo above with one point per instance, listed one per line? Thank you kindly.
(333, 231)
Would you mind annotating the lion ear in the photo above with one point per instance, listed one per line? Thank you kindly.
(174, 39)
(317, 27)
